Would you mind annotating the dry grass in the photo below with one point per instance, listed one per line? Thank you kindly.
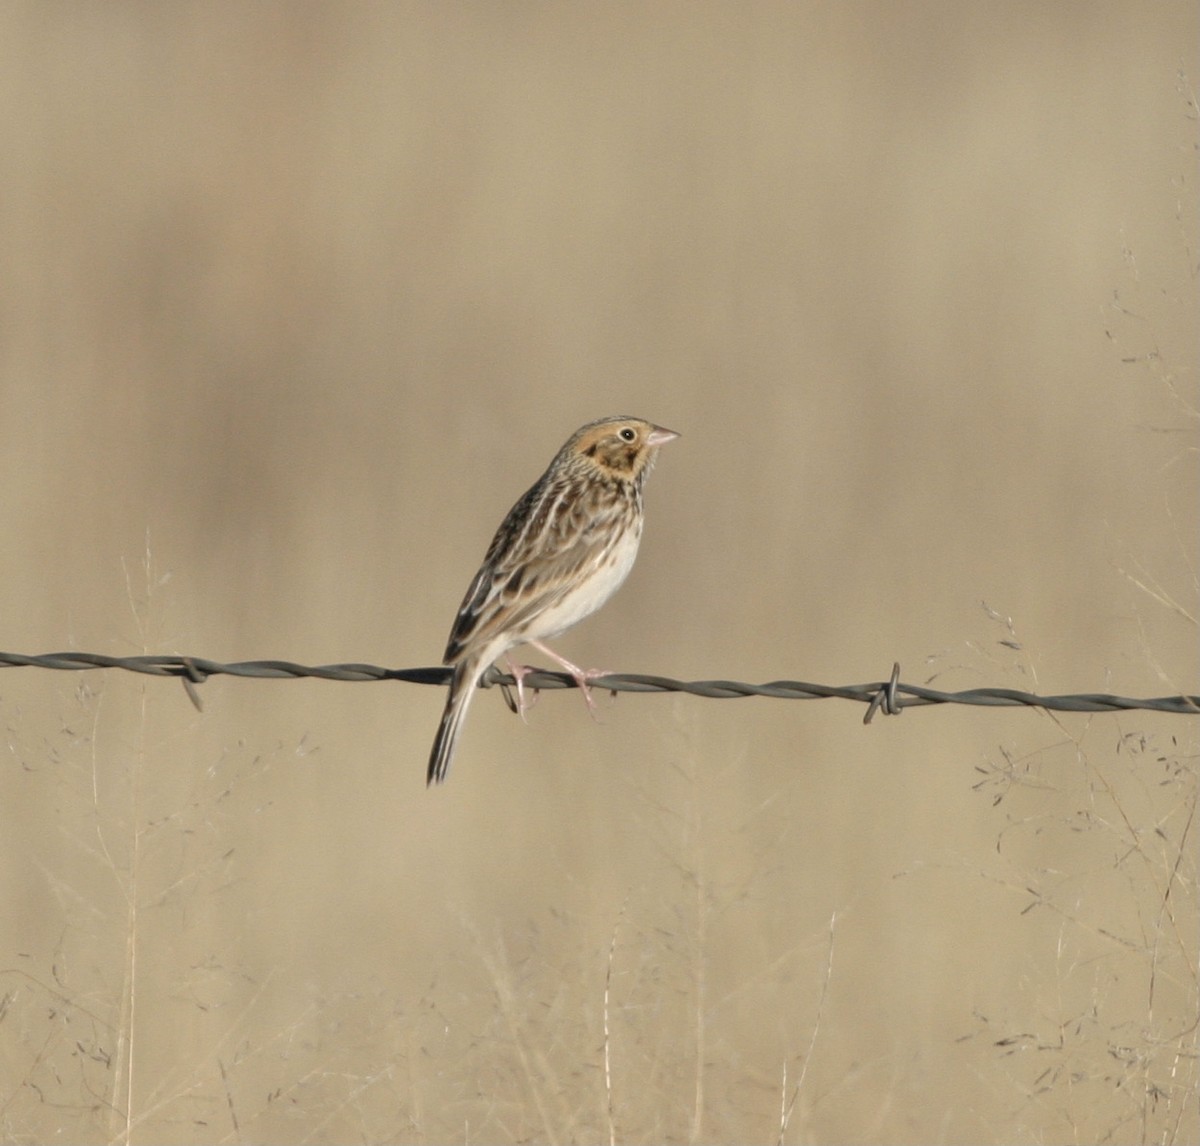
(548, 1033)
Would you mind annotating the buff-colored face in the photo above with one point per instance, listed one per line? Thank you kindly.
(620, 446)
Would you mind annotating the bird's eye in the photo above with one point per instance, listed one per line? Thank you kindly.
(628, 435)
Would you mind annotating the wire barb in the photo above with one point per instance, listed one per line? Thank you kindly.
(192, 676)
(891, 696)
(885, 698)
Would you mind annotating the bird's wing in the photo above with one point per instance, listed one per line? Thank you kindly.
(538, 555)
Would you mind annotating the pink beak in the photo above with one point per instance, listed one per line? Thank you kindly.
(660, 436)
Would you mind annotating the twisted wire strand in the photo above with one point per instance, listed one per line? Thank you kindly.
(891, 696)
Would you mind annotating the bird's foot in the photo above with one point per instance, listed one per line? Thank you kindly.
(584, 678)
(519, 673)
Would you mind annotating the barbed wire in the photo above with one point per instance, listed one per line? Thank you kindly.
(891, 696)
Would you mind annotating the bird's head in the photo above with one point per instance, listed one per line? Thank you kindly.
(621, 448)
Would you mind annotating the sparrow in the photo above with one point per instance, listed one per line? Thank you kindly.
(559, 554)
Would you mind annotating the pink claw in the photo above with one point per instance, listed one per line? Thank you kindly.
(582, 677)
(519, 673)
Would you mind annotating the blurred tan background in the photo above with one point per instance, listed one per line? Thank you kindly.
(297, 299)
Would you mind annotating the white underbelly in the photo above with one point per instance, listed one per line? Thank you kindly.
(592, 591)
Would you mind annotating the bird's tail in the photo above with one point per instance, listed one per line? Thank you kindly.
(462, 689)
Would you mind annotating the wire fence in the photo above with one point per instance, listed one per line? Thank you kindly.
(890, 696)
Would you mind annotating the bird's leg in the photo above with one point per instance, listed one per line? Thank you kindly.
(519, 673)
(582, 677)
